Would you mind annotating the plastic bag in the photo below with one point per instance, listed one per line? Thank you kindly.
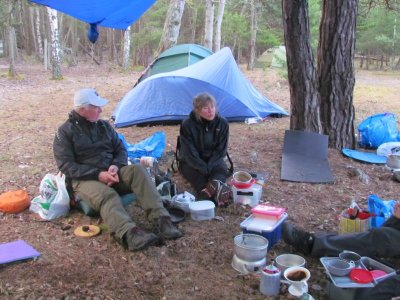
(388, 148)
(152, 146)
(377, 129)
(53, 201)
(383, 209)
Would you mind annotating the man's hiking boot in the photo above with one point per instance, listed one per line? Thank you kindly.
(301, 240)
(165, 229)
(138, 239)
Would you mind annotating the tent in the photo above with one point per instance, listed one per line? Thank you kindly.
(118, 14)
(175, 58)
(167, 97)
(273, 57)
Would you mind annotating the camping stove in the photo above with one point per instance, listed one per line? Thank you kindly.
(250, 196)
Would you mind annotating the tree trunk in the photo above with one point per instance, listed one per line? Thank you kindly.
(336, 71)
(32, 25)
(12, 46)
(304, 97)
(127, 47)
(38, 34)
(194, 22)
(218, 25)
(172, 25)
(209, 24)
(253, 35)
(55, 44)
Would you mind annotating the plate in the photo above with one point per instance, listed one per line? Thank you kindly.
(378, 273)
(361, 275)
(294, 291)
(87, 230)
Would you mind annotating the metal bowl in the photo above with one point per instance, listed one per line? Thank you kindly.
(339, 267)
(250, 247)
(285, 261)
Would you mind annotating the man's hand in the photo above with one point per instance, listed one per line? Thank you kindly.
(109, 177)
(396, 210)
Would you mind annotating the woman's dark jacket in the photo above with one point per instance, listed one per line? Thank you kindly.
(82, 149)
(203, 144)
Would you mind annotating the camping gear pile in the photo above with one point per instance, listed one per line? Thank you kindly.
(349, 272)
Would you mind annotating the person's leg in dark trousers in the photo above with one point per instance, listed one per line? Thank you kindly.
(384, 290)
(219, 172)
(196, 179)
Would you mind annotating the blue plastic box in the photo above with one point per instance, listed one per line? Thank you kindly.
(268, 227)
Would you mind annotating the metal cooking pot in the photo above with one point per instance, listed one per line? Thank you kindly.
(393, 161)
(250, 247)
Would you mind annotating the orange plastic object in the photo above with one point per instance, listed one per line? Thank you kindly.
(13, 202)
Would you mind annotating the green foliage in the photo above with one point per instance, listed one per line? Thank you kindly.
(376, 32)
(235, 28)
(314, 13)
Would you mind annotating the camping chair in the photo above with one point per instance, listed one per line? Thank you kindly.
(175, 162)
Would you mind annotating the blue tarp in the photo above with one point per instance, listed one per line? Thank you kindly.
(168, 96)
(118, 14)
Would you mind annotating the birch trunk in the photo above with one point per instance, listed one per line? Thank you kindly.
(127, 47)
(55, 44)
(172, 25)
(218, 25)
(12, 46)
(38, 34)
(209, 24)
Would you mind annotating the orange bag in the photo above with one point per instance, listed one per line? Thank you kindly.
(14, 201)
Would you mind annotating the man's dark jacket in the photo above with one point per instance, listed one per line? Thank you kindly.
(203, 144)
(83, 149)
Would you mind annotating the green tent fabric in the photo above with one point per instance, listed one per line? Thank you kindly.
(273, 57)
(174, 58)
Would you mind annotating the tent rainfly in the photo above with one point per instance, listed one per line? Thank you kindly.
(175, 58)
(167, 97)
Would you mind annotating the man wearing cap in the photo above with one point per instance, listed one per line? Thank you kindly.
(88, 151)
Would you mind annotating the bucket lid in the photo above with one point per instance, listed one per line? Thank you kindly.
(201, 205)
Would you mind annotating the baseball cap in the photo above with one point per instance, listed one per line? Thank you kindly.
(88, 96)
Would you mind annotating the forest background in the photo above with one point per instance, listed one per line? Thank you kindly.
(25, 32)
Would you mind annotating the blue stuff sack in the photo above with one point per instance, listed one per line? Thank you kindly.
(378, 129)
(152, 146)
(383, 209)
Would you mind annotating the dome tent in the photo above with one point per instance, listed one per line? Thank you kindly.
(174, 58)
(167, 97)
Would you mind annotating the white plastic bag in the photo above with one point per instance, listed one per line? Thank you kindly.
(53, 201)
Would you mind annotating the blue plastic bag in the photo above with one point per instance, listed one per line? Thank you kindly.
(378, 129)
(152, 146)
(383, 209)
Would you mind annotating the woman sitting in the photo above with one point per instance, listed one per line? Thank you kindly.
(203, 148)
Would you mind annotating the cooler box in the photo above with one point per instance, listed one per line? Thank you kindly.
(268, 227)
(250, 196)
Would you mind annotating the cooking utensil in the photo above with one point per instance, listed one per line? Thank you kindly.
(250, 247)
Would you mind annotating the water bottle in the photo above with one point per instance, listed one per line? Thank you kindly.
(270, 280)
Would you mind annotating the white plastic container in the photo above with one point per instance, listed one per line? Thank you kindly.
(202, 210)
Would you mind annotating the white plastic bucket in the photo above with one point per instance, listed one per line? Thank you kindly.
(202, 210)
